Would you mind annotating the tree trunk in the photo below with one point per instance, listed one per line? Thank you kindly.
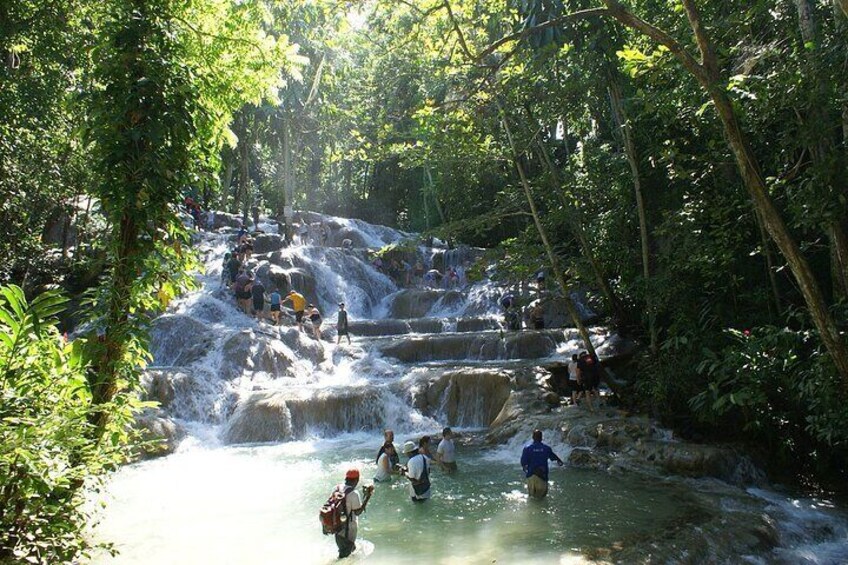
(543, 235)
(770, 267)
(623, 123)
(244, 176)
(435, 196)
(575, 222)
(824, 149)
(288, 174)
(708, 76)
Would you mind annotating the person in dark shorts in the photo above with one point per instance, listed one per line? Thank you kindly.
(298, 304)
(589, 376)
(233, 267)
(341, 325)
(258, 292)
(275, 300)
(537, 317)
(315, 318)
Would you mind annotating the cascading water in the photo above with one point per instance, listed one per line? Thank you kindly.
(272, 418)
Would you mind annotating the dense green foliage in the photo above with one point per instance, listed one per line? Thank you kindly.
(47, 450)
(686, 161)
(629, 128)
(114, 108)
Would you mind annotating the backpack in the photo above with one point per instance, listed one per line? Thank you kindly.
(333, 515)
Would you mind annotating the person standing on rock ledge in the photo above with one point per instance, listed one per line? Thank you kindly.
(534, 461)
(341, 325)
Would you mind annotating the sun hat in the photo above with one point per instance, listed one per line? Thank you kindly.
(409, 447)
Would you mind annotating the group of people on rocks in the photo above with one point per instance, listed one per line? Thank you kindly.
(535, 456)
(512, 312)
(407, 274)
(584, 378)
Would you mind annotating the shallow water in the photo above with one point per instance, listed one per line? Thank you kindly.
(259, 504)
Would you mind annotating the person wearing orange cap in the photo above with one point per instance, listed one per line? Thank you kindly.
(354, 506)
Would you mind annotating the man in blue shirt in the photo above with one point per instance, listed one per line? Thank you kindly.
(534, 461)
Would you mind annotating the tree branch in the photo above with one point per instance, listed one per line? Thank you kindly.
(619, 12)
(528, 31)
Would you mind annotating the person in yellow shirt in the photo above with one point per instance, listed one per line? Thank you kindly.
(298, 304)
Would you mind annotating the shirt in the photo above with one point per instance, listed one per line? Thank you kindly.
(275, 297)
(572, 370)
(536, 456)
(297, 300)
(415, 469)
(258, 290)
(352, 502)
(446, 451)
(383, 475)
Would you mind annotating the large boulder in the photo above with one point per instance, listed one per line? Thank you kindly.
(248, 352)
(268, 242)
(177, 339)
(225, 220)
(265, 416)
(416, 303)
(468, 397)
(337, 236)
(157, 434)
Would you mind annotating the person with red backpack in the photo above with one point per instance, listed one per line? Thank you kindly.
(339, 515)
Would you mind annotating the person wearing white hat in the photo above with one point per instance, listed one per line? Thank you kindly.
(417, 471)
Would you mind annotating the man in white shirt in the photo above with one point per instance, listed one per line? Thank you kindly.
(417, 471)
(446, 452)
(354, 506)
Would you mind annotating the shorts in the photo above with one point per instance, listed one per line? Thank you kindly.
(258, 304)
(342, 331)
(593, 383)
(538, 324)
(275, 307)
(450, 466)
(244, 294)
(537, 487)
(298, 315)
(575, 386)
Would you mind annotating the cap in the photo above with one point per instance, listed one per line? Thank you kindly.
(352, 474)
(409, 447)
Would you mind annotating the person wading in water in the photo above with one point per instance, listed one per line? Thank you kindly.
(534, 461)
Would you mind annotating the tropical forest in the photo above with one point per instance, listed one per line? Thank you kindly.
(406, 281)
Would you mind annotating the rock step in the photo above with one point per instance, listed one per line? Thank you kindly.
(395, 327)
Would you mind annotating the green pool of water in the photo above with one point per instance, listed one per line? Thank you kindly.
(260, 505)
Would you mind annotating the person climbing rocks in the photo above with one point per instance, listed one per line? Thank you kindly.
(418, 272)
(573, 380)
(315, 318)
(417, 471)
(589, 376)
(275, 299)
(258, 292)
(243, 292)
(432, 278)
(255, 213)
(233, 268)
(446, 452)
(385, 467)
(389, 439)
(341, 325)
(298, 303)
(225, 270)
(534, 461)
(537, 316)
(540, 280)
(354, 506)
(507, 301)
